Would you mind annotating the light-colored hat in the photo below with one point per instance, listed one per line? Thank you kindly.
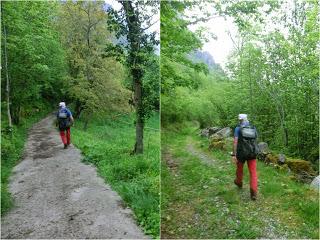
(62, 104)
(243, 116)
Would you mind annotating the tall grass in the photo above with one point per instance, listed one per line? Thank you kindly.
(108, 145)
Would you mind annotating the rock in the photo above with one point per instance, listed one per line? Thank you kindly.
(301, 167)
(270, 158)
(224, 133)
(213, 130)
(204, 132)
(284, 167)
(209, 131)
(316, 183)
(281, 158)
(217, 144)
(263, 148)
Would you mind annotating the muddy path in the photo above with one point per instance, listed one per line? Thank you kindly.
(57, 196)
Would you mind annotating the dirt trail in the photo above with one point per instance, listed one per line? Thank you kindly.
(57, 196)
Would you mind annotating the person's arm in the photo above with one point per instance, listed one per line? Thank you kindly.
(70, 116)
(234, 154)
(235, 145)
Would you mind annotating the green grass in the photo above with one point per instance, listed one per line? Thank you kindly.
(199, 200)
(11, 150)
(107, 144)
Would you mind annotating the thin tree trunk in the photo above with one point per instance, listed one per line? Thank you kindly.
(139, 117)
(134, 39)
(7, 77)
(250, 86)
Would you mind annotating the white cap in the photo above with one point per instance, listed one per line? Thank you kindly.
(243, 116)
(62, 104)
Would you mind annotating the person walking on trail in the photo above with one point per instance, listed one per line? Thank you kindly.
(64, 122)
(245, 150)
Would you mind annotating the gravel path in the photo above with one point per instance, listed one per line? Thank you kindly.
(57, 196)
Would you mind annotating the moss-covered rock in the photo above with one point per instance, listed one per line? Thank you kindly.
(284, 167)
(217, 142)
(300, 166)
(271, 158)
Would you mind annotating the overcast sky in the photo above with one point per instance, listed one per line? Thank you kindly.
(222, 46)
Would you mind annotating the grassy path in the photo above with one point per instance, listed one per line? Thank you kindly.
(199, 199)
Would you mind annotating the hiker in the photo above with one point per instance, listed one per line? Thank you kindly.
(245, 149)
(64, 121)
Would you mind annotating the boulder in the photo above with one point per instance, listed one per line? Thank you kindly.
(213, 130)
(316, 183)
(271, 158)
(224, 133)
(217, 145)
(204, 132)
(281, 158)
(301, 167)
(263, 148)
(284, 167)
(209, 131)
(217, 142)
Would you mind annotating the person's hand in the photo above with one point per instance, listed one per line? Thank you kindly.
(234, 160)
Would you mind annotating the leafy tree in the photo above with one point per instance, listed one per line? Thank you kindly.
(94, 82)
(40, 67)
(130, 24)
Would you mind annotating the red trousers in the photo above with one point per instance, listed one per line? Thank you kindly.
(252, 165)
(65, 139)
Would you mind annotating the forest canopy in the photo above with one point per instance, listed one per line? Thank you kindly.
(272, 75)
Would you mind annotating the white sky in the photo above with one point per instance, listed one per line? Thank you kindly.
(223, 45)
(219, 48)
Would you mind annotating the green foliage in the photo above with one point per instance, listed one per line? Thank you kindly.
(199, 199)
(136, 49)
(277, 73)
(176, 42)
(151, 86)
(271, 77)
(36, 61)
(95, 80)
(107, 144)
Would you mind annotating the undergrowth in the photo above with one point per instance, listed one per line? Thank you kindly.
(108, 145)
(199, 199)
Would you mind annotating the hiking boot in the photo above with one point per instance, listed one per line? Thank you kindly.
(253, 195)
(238, 184)
(65, 146)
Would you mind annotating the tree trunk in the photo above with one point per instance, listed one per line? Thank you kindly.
(85, 126)
(78, 110)
(139, 117)
(7, 77)
(134, 34)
